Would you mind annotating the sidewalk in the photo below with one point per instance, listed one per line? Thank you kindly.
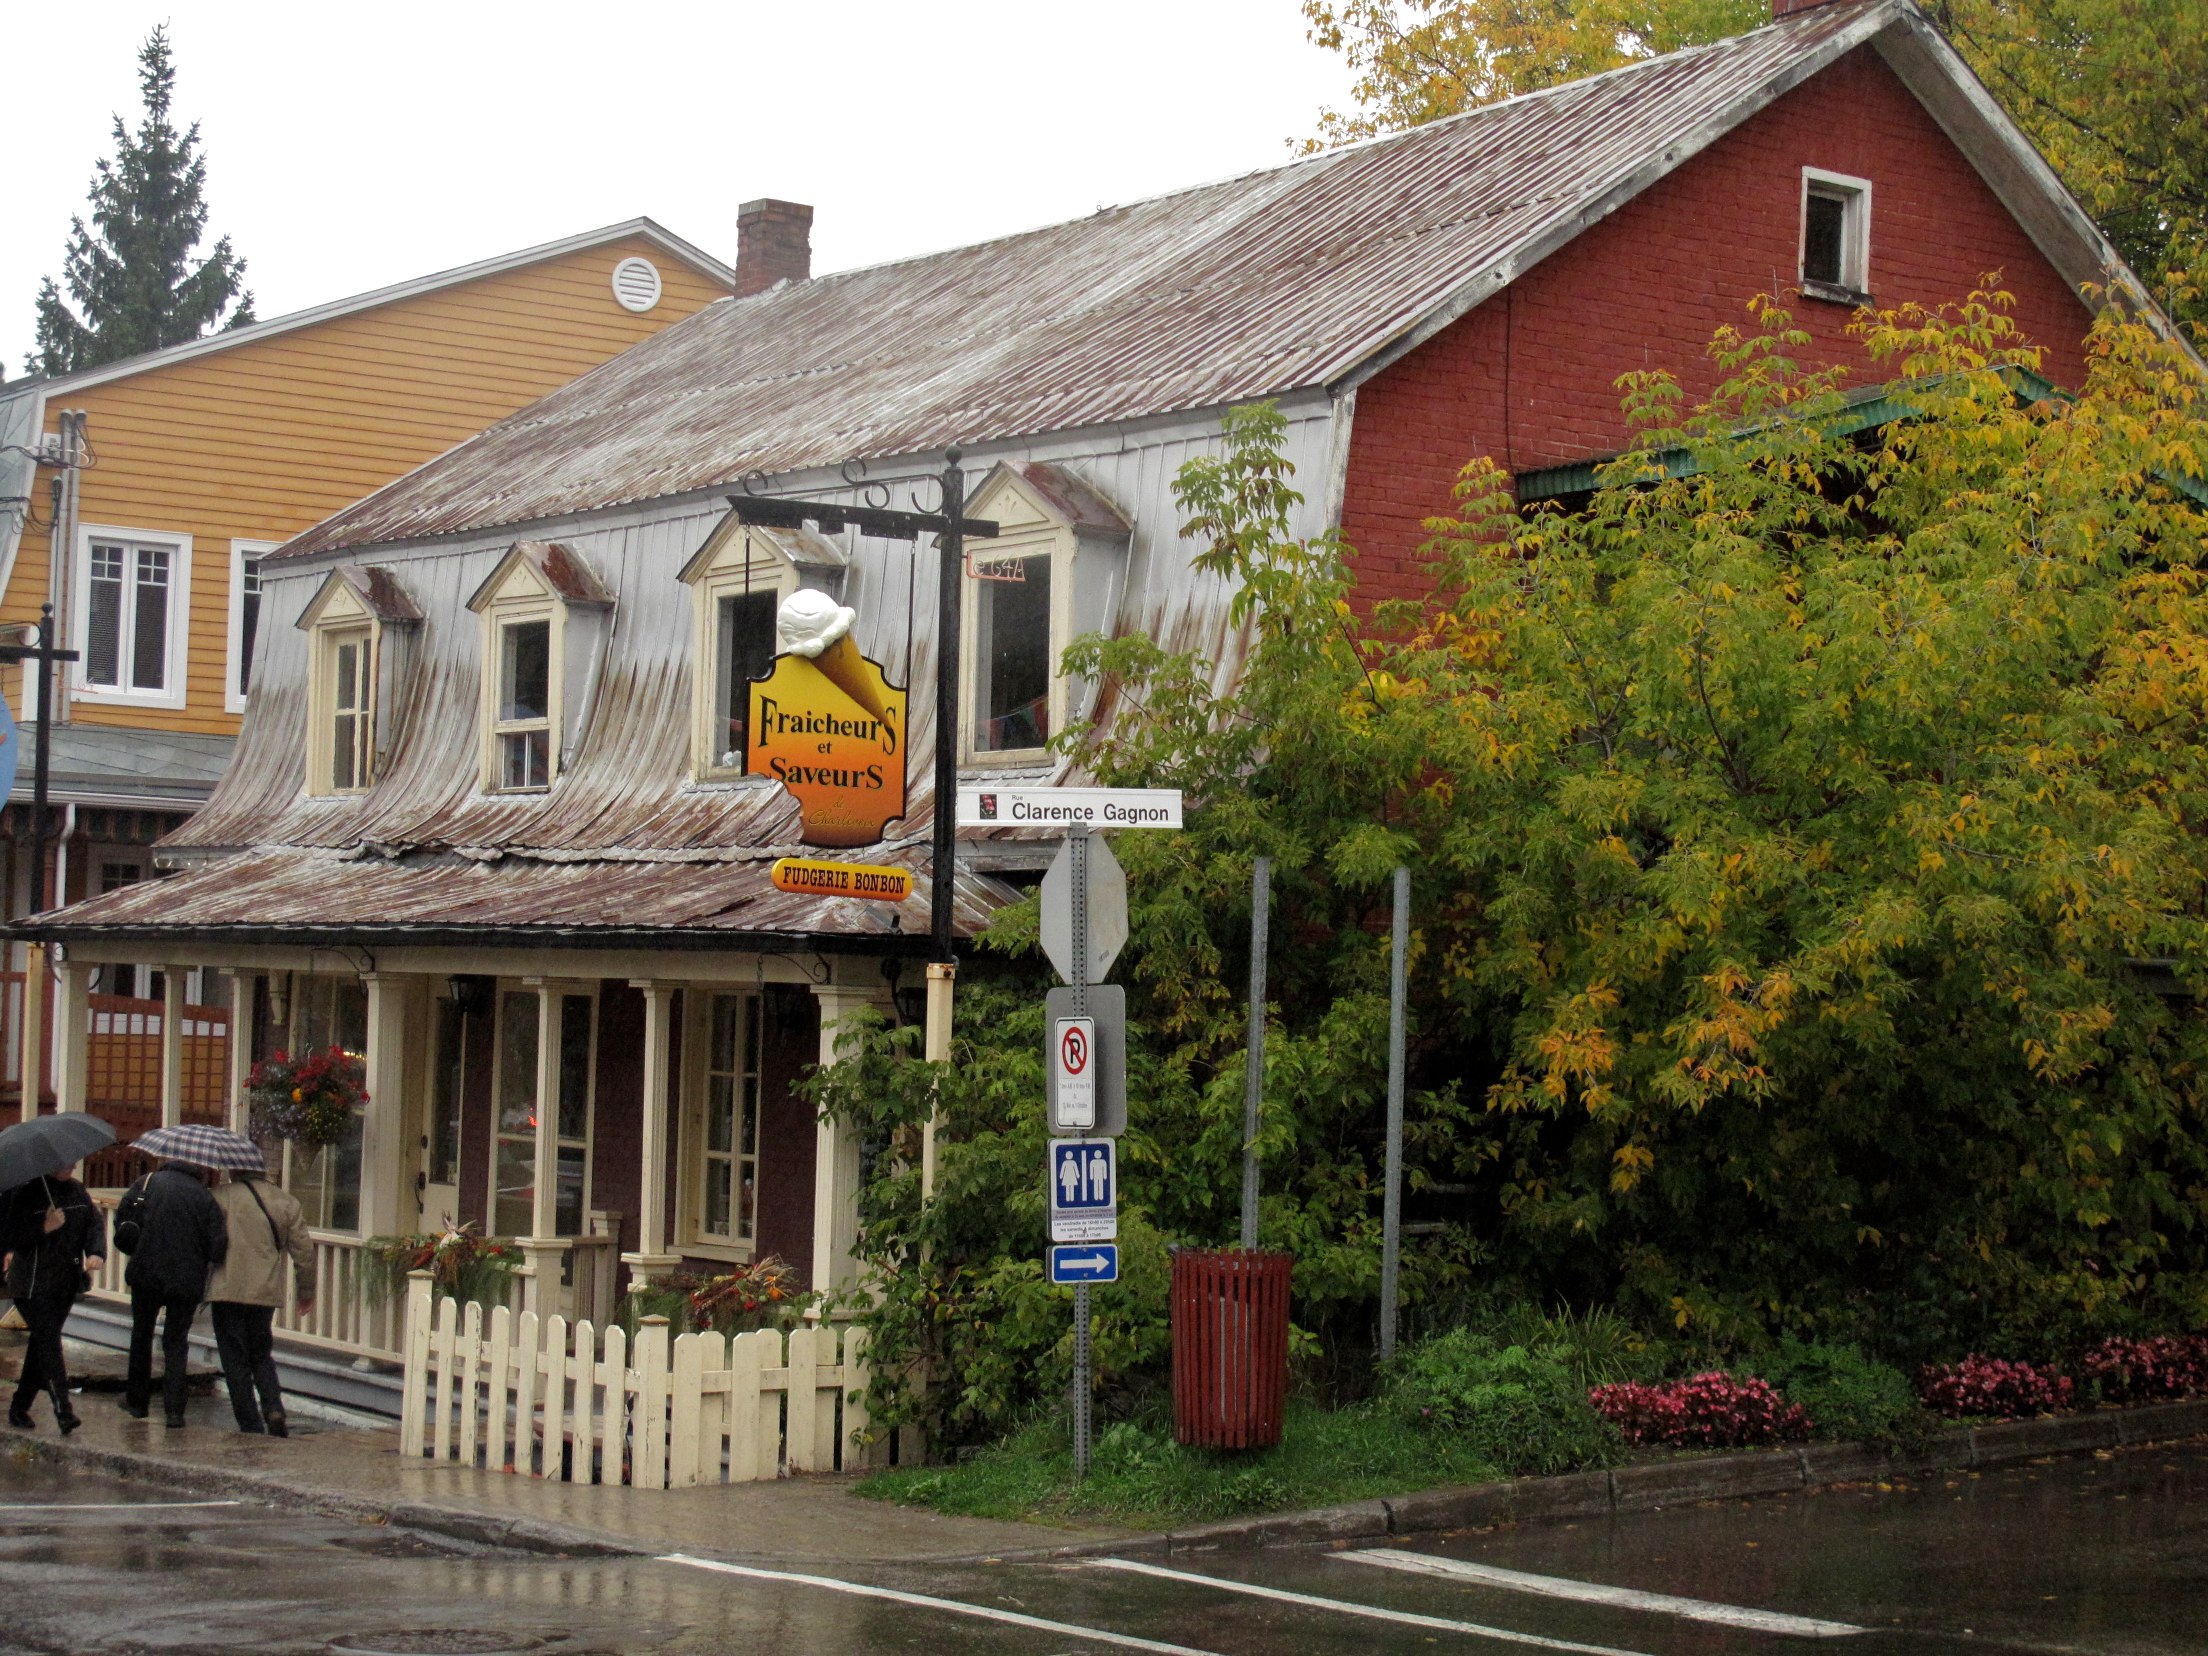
(358, 1473)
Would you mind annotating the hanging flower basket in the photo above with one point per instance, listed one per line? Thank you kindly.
(310, 1100)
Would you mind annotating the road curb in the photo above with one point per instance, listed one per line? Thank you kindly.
(1645, 1487)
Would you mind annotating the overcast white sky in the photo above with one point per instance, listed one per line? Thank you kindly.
(353, 145)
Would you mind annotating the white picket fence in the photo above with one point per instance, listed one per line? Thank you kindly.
(569, 1401)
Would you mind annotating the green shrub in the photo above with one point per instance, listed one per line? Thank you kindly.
(1847, 1394)
(1515, 1408)
(1598, 1347)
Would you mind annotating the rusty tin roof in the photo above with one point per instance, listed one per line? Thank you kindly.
(1300, 276)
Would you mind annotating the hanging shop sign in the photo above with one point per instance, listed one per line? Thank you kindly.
(811, 878)
(828, 726)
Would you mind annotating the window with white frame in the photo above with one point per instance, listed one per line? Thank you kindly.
(344, 642)
(324, 1011)
(1836, 236)
(723, 1204)
(245, 618)
(740, 578)
(521, 730)
(543, 611)
(1014, 653)
(515, 1125)
(133, 609)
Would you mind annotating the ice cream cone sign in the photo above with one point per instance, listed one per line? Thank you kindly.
(829, 726)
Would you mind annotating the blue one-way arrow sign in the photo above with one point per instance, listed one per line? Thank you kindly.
(1085, 1262)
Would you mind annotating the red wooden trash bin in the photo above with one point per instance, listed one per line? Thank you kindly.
(1230, 1347)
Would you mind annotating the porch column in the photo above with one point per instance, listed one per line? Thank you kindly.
(34, 1035)
(542, 1247)
(652, 1258)
(244, 988)
(836, 1156)
(172, 1045)
(386, 1191)
(72, 1033)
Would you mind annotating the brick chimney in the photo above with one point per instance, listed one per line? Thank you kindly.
(774, 243)
(1787, 8)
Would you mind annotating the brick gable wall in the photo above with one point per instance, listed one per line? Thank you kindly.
(1529, 376)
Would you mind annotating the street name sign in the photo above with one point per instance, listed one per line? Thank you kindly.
(1107, 1020)
(1085, 1262)
(987, 807)
(1084, 1190)
(1106, 904)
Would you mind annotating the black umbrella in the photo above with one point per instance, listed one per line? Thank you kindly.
(47, 1144)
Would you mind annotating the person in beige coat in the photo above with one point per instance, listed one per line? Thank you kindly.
(246, 1288)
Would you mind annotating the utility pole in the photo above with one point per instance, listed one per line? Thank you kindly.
(33, 1034)
(1253, 1085)
(1391, 1200)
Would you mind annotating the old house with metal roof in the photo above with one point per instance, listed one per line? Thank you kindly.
(490, 815)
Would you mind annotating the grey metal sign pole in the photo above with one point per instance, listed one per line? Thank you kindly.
(1391, 1208)
(1077, 846)
(1253, 1087)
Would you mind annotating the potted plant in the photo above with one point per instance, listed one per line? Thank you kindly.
(309, 1100)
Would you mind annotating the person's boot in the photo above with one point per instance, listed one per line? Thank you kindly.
(136, 1411)
(19, 1416)
(175, 1420)
(65, 1415)
(277, 1426)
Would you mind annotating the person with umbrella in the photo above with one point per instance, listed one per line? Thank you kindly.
(180, 1237)
(265, 1225)
(52, 1233)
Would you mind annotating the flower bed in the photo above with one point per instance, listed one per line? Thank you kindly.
(1981, 1385)
(1709, 1411)
(2147, 1371)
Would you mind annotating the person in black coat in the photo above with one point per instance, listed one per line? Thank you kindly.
(52, 1232)
(180, 1239)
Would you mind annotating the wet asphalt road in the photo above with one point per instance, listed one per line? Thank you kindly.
(2100, 1557)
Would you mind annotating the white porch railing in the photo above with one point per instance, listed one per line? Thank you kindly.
(346, 1316)
(575, 1403)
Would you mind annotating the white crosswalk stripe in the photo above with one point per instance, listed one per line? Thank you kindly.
(1348, 1607)
(1595, 1592)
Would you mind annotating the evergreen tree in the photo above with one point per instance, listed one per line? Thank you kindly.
(132, 277)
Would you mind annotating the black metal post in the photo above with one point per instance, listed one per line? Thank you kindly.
(951, 560)
(41, 828)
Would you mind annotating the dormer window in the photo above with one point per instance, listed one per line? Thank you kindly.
(523, 733)
(1054, 572)
(1836, 236)
(354, 624)
(740, 577)
(545, 617)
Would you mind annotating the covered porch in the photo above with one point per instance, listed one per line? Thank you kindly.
(615, 1115)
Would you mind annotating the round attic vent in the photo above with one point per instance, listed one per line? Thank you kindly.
(636, 284)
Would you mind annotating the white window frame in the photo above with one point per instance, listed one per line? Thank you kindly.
(242, 552)
(504, 619)
(697, 1040)
(177, 660)
(536, 993)
(1056, 542)
(1854, 193)
(741, 565)
(342, 618)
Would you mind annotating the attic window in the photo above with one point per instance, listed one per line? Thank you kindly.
(545, 621)
(353, 624)
(1836, 236)
(524, 725)
(739, 578)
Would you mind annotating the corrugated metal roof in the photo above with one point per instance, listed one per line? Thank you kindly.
(1251, 287)
(302, 894)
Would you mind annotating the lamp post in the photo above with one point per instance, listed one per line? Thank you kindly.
(951, 528)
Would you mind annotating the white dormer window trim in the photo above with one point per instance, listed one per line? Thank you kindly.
(1842, 272)
(738, 581)
(544, 616)
(1071, 545)
(349, 626)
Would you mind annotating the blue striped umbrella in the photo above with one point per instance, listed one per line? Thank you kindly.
(204, 1146)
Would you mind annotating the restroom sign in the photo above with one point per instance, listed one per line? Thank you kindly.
(1084, 1190)
(1073, 1075)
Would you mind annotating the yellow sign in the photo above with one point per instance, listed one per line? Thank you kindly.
(831, 729)
(833, 879)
